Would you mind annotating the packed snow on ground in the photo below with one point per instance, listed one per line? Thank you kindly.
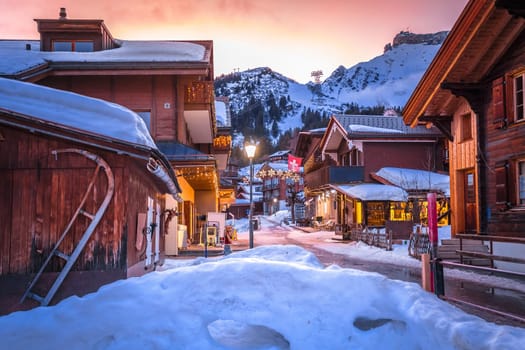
(270, 297)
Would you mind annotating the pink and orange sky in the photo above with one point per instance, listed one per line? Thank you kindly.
(293, 37)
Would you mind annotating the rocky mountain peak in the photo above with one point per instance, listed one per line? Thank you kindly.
(406, 37)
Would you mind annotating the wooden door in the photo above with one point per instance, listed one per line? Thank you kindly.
(470, 201)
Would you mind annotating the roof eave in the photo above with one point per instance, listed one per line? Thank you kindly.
(470, 20)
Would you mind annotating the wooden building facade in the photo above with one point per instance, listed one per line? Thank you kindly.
(58, 181)
(168, 83)
(280, 187)
(355, 146)
(473, 91)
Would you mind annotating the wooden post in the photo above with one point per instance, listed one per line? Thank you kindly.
(437, 271)
(426, 274)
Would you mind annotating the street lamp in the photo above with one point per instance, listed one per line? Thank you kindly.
(250, 152)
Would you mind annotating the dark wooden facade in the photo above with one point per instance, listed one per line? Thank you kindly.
(472, 91)
(40, 192)
(345, 157)
(173, 94)
(74, 30)
(278, 185)
(136, 92)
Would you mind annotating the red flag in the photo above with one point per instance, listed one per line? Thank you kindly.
(294, 163)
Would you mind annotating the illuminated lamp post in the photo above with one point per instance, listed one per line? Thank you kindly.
(250, 152)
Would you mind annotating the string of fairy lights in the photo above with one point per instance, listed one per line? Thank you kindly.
(272, 173)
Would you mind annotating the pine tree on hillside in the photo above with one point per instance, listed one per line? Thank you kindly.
(275, 129)
(273, 110)
(283, 103)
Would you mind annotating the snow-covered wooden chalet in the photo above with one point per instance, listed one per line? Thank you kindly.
(83, 194)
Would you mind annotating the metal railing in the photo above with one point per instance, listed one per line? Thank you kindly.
(438, 270)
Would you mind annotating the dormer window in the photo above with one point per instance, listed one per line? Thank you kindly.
(74, 35)
(73, 45)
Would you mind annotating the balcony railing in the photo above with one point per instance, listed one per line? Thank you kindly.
(270, 187)
(334, 175)
(199, 92)
(222, 144)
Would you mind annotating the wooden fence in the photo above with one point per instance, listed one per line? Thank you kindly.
(374, 236)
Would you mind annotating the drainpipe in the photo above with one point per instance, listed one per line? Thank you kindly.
(158, 170)
(481, 174)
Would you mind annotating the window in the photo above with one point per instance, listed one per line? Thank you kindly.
(507, 100)
(510, 184)
(355, 157)
(344, 159)
(84, 46)
(501, 185)
(146, 117)
(521, 182)
(72, 45)
(466, 127)
(62, 46)
(518, 97)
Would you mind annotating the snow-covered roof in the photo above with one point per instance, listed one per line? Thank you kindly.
(256, 197)
(16, 58)
(283, 166)
(316, 131)
(414, 179)
(245, 171)
(379, 124)
(373, 192)
(370, 129)
(279, 153)
(279, 167)
(74, 110)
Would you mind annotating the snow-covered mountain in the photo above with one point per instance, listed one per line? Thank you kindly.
(386, 80)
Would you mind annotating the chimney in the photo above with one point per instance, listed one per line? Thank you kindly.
(62, 13)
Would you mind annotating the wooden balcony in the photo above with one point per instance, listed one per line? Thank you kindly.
(222, 144)
(199, 111)
(334, 175)
(199, 92)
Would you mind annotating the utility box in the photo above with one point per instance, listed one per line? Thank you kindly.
(171, 239)
(182, 236)
(218, 220)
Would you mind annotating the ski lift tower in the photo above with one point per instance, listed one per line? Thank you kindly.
(317, 74)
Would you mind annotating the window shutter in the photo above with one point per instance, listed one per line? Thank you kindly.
(498, 103)
(509, 98)
(502, 196)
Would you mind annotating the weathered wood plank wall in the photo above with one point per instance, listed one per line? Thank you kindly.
(41, 193)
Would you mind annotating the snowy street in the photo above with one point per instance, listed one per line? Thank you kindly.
(468, 286)
(276, 296)
(397, 265)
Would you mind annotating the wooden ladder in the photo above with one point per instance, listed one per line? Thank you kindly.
(95, 219)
